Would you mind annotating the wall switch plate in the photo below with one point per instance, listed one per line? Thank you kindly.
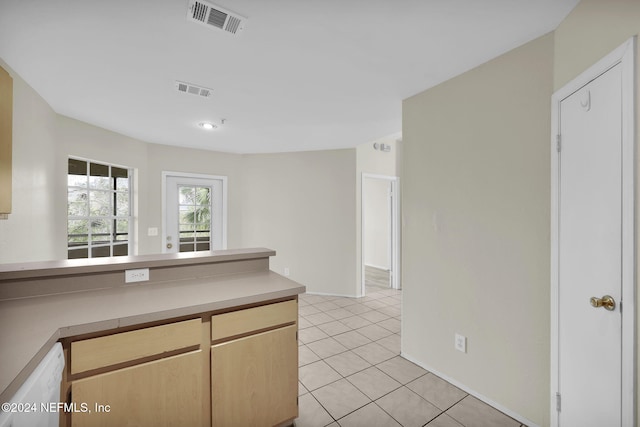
(137, 275)
(152, 231)
(461, 343)
(286, 271)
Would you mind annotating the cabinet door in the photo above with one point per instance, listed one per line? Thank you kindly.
(254, 380)
(6, 134)
(165, 392)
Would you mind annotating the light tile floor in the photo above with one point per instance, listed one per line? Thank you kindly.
(352, 374)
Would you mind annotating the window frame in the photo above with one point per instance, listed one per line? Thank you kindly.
(112, 219)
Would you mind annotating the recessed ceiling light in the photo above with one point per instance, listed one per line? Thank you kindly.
(207, 125)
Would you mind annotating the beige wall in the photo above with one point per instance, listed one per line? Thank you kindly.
(476, 231)
(31, 232)
(592, 30)
(378, 162)
(303, 205)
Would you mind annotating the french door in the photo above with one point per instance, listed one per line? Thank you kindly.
(195, 213)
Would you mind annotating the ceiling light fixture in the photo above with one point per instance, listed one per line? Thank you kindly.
(207, 125)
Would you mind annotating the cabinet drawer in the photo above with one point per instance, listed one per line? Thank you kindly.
(253, 319)
(126, 346)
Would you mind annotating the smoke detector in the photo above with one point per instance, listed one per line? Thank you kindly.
(214, 16)
(193, 89)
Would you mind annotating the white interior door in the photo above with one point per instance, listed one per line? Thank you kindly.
(590, 254)
(194, 214)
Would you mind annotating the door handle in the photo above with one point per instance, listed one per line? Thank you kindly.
(606, 301)
(169, 245)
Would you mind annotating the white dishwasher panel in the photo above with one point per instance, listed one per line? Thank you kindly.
(40, 392)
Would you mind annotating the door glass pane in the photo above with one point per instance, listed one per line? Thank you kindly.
(186, 236)
(187, 195)
(202, 246)
(202, 236)
(194, 214)
(186, 227)
(186, 247)
(187, 215)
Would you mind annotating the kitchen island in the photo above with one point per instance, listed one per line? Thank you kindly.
(204, 329)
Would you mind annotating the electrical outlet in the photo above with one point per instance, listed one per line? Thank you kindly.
(137, 275)
(461, 343)
(286, 271)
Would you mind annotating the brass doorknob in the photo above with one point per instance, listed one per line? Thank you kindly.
(606, 301)
(169, 245)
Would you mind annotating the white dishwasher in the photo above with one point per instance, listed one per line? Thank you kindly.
(35, 404)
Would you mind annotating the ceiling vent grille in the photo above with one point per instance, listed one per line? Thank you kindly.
(215, 17)
(193, 89)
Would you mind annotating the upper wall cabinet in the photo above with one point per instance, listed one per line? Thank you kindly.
(6, 118)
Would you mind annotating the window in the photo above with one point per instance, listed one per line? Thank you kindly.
(98, 209)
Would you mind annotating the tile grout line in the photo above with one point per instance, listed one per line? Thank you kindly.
(392, 333)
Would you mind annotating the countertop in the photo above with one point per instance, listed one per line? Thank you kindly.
(30, 326)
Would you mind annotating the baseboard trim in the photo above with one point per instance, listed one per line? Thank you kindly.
(377, 266)
(323, 294)
(471, 392)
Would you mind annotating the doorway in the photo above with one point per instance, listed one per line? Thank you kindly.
(380, 234)
(194, 217)
(592, 251)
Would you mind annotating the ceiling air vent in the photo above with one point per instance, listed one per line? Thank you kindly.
(193, 89)
(215, 17)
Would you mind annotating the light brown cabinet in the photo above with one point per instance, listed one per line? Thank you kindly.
(145, 377)
(6, 134)
(254, 366)
(165, 392)
(238, 368)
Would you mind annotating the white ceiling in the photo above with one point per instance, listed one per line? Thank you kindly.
(303, 75)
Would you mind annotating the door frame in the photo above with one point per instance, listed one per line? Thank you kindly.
(168, 174)
(394, 229)
(625, 56)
